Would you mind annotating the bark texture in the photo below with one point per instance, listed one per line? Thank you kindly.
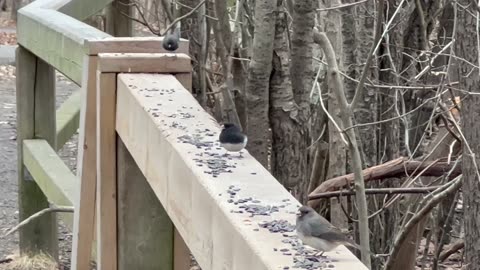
(302, 77)
(257, 86)
(337, 148)
(288, 164)
(467, 48)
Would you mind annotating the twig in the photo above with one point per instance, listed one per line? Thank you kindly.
(144, 22)
(427, 68)
(6, 260)
(64, 209)
(342, 6)
(443, 236)
(347, 120)
(453, 186)
(340, 132)
(188, 14)
(373, 191)
(451, 250)
(395, 117)
(373, 50)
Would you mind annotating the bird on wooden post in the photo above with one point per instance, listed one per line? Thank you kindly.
(315, 231)
(232, 139)
(171, 39)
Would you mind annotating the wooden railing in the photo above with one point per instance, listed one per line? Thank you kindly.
(149, 172)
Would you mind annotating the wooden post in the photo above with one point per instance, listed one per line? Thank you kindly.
(106, 172)
(145, 232)
(117, 24)
(84, 216)
(35, 119)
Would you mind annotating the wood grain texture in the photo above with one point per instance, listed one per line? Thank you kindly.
(34, 91)
(51, 174)
(83, 229)
(106, 173)
(56, 38)
(68, 117)
(145, 232)
(131, 45)
(144, 63)
(152, 126)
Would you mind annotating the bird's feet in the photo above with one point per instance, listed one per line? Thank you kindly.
(318, 253)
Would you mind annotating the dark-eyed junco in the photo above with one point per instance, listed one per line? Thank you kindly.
(171, 39)
(315, 231)
(232, 139)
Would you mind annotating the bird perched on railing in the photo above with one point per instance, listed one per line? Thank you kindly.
(171, 39)
(232, 139)
(315, 231)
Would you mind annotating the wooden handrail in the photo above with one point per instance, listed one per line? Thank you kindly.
(58, 38)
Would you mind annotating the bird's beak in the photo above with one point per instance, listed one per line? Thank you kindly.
(299, 214)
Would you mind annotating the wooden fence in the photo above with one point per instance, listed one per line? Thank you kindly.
(150, 174)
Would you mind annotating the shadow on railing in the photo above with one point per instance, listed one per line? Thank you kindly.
(150, 173)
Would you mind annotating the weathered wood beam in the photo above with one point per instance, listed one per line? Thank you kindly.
(84, 216)
(145, 233)
(35, 119)
(78, 9)
(68, 117)
(56, 38)
(106, 198)
(54, 178)
(145, 62)
(131, 45)
(190, 182)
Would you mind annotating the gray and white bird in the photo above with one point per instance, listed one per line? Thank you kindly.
(232, 139)
(171, 40)
(315, 231)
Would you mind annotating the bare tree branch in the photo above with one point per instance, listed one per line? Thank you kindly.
(347, 119)
(64, 209)
(399, 167)
(451, 250)
(373, 191)
(360, 86)
(430, 203)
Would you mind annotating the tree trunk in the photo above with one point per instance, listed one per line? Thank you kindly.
(16, 5)
(116, 24)
(337, 151)
(389, 144)
(466, 47)
(302, 74)
(287, 156)
(257, 86)
(197, 28)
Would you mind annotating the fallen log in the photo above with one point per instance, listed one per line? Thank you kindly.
(396, 168)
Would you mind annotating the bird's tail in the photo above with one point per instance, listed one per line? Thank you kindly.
(351, 243)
